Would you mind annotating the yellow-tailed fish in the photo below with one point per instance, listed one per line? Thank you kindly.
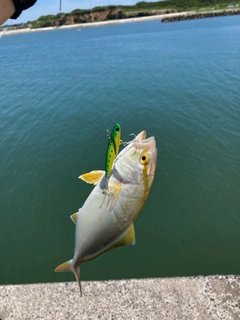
(112, 148)
(106, 221)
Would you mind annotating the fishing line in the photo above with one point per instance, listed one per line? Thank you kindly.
(98, 69)
(98, 64)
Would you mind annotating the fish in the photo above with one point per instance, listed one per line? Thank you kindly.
(112, 148)
(105, 222)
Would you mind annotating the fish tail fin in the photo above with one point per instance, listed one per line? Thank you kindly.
(76, 272)
(65, 267)
(69, 267)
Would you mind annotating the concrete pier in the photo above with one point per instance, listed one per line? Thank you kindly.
(193, 298)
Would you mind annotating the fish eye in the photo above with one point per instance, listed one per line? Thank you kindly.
(144, 158)
(117, 129)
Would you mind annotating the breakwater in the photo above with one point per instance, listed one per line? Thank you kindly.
(200, 15)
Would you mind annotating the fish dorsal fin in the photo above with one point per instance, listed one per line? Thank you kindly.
(92, 177)
(74, 217)
(128, 237)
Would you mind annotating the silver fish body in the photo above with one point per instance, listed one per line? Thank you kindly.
(105, 220)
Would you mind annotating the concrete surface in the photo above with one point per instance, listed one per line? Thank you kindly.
(213, 297)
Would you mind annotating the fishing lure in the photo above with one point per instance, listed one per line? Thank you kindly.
(112, 151)
(112, 148)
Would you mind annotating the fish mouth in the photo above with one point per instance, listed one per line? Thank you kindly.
(140, 141)
(139, 145)
(147, 145)
(141, 136)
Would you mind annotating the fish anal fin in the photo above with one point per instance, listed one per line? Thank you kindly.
(127, 238)
(66, 267)
(92, 177)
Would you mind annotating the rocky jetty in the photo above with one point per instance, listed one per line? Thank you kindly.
(199, 15)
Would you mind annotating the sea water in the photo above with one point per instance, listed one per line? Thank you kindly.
(61, 90)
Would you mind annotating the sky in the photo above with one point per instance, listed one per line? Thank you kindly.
(44, 7)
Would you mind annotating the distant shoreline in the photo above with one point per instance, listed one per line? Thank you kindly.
(90, 24)
(169, 17)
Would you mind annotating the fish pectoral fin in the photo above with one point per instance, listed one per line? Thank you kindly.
(127, 238)
(113, 194)
(68, 266)
(74, 217)
(92, 177)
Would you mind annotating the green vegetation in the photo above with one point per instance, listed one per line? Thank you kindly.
(181, 5)
(44, 21)
(60, 14)
(79, 11)
(104, 8)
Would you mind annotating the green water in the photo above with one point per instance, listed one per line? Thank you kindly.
(61, 90)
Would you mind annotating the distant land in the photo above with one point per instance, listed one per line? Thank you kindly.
(140, 9)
